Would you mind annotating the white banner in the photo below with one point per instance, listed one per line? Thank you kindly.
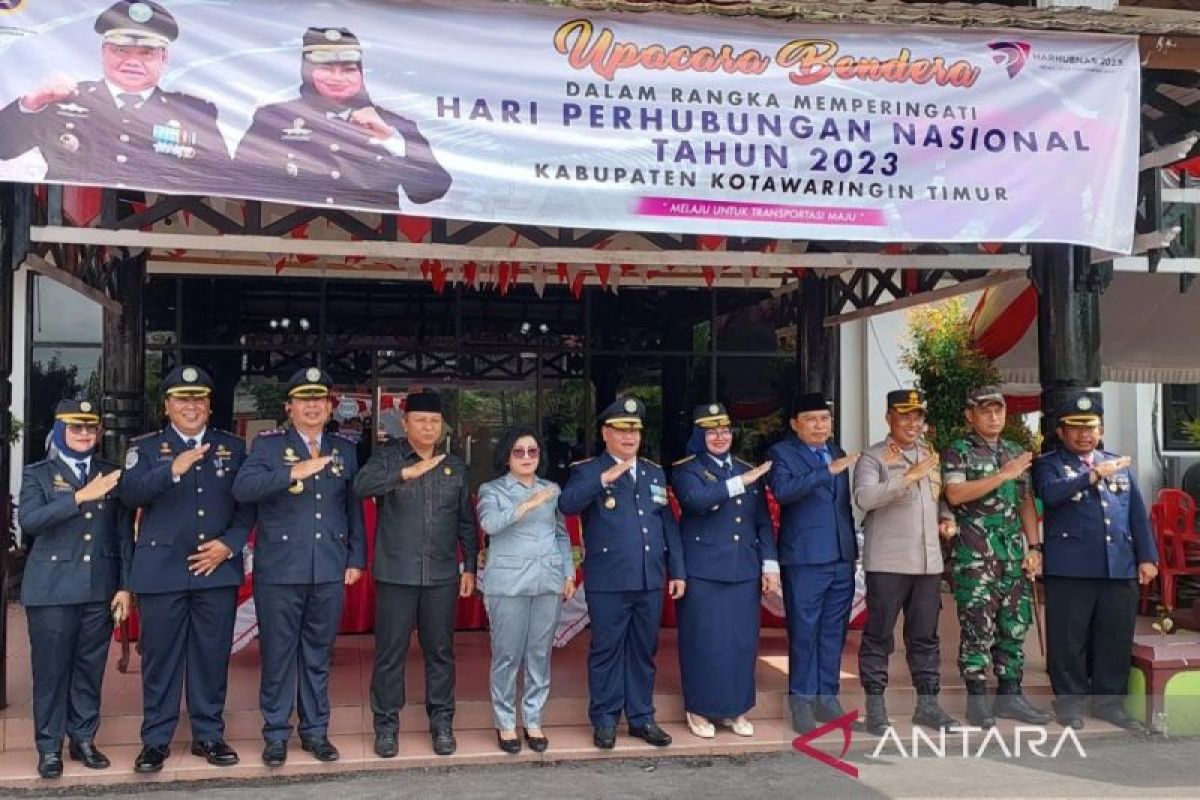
(527, 114)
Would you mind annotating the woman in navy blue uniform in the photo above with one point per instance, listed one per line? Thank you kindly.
(75, 584)
(729, 552)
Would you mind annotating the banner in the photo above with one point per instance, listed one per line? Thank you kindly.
(504, 112)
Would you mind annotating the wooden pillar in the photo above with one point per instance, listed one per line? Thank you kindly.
(16, 214)
(122, 403)
(1068, 287)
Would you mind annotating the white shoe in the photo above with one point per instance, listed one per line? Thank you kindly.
(741, 726)
(701, 727)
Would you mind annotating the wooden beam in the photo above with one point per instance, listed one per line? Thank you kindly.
(1169, 52)
(533, 255)
(933, 296)
(1170, 266)
(47, 270)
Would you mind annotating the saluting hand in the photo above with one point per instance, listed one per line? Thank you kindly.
(414, 471)
(1017, 467)
(840, 465)
(188, 459)
(369, 120)
(98, 487)
(922, 468)
(756, 473)
(1106, 469)
(58, 88)
(614, 472)
(208, 557)
(542, 496)
(309, 467)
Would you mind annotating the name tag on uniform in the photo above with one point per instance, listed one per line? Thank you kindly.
(658, 494)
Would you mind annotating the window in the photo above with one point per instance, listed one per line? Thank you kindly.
(1181, 404)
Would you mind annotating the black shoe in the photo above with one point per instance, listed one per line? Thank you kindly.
(650, 733)
(802, 716)
(322, 749)
(275, 754)
(444, 743)
(537, 744)
(511, 746)
(215, 752)
(1070, 719)
(604, 738)
(151, 758)
(931, 715)
(1121, 718)
(876, 722)
(386, 744)
(1011, 704)
(979, 714)
(827, 708)
(50, 765)
(89, 755)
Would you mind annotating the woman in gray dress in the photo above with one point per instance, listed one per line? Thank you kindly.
(529, 573)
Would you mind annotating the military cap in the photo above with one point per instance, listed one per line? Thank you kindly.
(76, 412)
(810, 401)
(984, 395)
(1082, 407)
(142, 24)
(309, 382)
(331, 46)
(625, 413)
(428, 401)
(187, 381)
(712, 415)
(905, 400)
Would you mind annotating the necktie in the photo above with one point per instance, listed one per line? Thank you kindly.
(1089, 460)
(313, 449)
(81, 466)
(129, 99)
(727, 468)
(824, 454)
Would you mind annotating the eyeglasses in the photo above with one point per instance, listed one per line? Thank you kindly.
(719, 433)
(525, 452)
(83, 429)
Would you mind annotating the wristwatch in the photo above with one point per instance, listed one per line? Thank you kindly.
(1036, 548)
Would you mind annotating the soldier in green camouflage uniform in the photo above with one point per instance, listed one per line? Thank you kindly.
(987, 484)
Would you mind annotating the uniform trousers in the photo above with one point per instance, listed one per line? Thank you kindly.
(1089, 640)
(522, 630)
(621, 655)
(431, 609)
(297, 626)
(68, 648)
(919, 597)
(186, 639)
(817, 598)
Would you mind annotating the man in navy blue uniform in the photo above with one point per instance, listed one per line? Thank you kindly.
(630, 540)
(311, 543)
(187, 567)
(817, 550)
(729, 552)
(76, 575)
(1098, 548)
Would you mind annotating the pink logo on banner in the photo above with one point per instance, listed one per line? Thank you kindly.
(758, 212)
(1011, 55)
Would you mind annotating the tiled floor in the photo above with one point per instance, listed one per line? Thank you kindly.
(566, 714)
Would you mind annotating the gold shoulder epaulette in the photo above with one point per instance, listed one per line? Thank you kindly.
(651, 463)
(683, 460)
(581, 461)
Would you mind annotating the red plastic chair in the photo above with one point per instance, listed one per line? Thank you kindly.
(1175, 536)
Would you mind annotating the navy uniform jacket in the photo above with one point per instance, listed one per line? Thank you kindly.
(77, 554)
(816, 525)
(315, 534)
(179, 517)
(724, 538)
(87, 139)
(1100, 531)
(629, 531)
(299, 152)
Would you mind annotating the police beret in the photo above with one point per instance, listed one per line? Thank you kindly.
(811, 401)
(906, 400)
(77, 412)
(983, 395)
(710, 415)
(427, 401)
(330, 45)
(1081, 407)
(142, 23)
(625, 413)
(309, 382)
(187, 381)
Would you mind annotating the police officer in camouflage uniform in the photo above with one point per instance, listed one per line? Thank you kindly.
(987, 484)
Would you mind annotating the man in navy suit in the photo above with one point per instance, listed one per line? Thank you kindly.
(630, 539)
(817, 551)
(187, 568)
(311, 541)
(1097, 549)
